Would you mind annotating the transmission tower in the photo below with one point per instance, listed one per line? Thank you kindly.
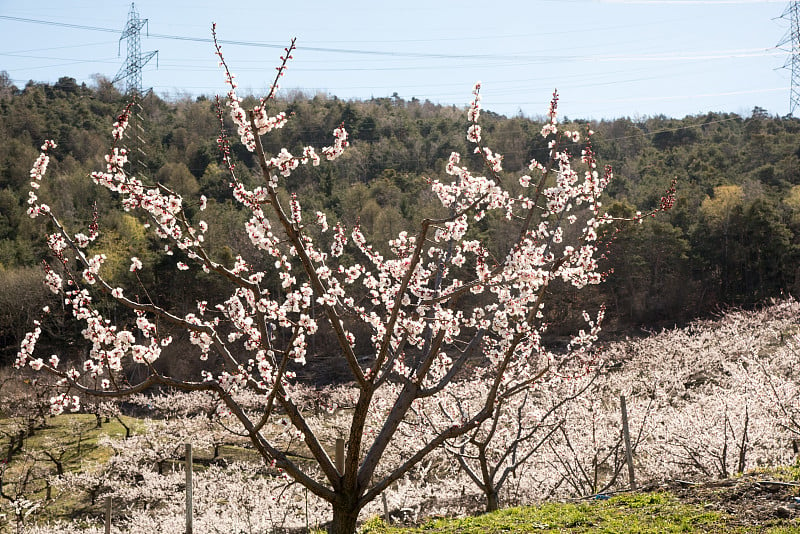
(131, 71)
(792, 14)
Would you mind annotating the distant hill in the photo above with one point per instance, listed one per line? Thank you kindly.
(732, 239)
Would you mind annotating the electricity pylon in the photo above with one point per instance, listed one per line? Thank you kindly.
(131, 71)
(792, 14)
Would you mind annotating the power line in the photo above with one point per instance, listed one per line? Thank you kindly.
(61, 24)
(62, 47)
(427, 55)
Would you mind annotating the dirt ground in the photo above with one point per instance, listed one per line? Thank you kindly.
(751, 500)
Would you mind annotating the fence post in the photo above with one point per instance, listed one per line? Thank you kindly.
(340, 456)
(108, 515)
(627, 436)
(188, 469)
(385, 508)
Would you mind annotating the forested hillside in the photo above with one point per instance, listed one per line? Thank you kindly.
(731, 239)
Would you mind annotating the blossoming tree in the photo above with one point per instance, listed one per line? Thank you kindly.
(440, 309)
(501, 449)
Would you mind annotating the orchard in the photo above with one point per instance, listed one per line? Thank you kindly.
(454, 386)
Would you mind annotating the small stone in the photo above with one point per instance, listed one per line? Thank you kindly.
(783, 512)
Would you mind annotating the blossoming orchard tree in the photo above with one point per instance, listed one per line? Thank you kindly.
(521, 424)
(439, 309)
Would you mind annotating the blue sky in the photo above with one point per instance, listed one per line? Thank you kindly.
(608, 58)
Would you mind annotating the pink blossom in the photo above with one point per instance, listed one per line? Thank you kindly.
(135, 264)
(474, 134)
(340, 144)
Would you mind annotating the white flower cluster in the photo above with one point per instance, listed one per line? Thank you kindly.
(339, 145)
(37, 173)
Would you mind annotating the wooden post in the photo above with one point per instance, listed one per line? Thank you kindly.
(340, 456)
(108, 515)
(188, 469)
(385, 508)
(627, 437)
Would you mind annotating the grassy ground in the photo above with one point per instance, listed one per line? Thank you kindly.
(657, 513)
(72, 441)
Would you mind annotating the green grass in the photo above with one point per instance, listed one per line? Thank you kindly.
(71, 438)
(647, 513)
(74, 440)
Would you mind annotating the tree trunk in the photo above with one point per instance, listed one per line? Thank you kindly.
(126, 427)
(492, 500)
(344, 520)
